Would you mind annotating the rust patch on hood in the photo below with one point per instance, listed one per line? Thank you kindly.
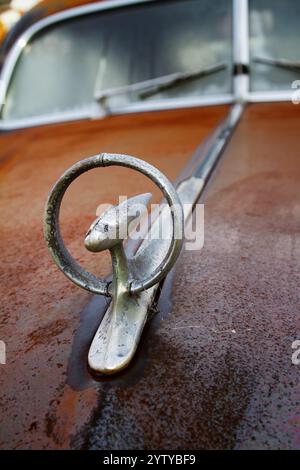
(40, 308)
(219, 372)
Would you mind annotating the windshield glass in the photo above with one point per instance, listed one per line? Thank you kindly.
(274, 34)
(64, 67)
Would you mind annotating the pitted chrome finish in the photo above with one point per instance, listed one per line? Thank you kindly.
(119, 332)
(134, 279)
(56, 245)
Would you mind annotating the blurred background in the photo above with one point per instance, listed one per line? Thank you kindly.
(11, 12)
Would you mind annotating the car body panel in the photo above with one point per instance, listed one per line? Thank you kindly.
(216, 369)
(213, 369)
(40, 308)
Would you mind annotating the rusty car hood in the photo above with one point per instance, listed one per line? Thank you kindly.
(41, 407)
(216, 369)
(214, 366)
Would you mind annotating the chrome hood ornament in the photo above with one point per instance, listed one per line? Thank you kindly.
(134, 278)
(109, 230)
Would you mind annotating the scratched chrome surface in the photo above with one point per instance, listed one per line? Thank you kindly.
(118, 335)
(135, 278)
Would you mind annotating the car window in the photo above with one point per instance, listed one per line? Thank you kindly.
(63, 66)
(274, 44)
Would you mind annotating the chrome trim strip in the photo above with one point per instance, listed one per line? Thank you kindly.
(189, 102)
(93, 112)
(44, 120)
(241, 31)
(241, 47)
(219, 142)
(270, 96)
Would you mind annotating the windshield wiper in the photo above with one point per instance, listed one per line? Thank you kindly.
(283, 63)
(181, 77)
(154, 85)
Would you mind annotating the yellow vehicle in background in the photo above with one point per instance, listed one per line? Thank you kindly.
(11, 12)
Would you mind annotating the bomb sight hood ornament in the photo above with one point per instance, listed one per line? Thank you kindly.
(135, 279)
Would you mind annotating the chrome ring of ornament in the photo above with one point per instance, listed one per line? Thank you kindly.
(61, 255)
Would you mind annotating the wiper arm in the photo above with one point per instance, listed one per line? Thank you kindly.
(283, 63)
(181, 77)
(154, 85)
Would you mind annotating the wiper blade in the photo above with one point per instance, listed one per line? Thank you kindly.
(181, 77)
(154, 85)
(283, 63)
